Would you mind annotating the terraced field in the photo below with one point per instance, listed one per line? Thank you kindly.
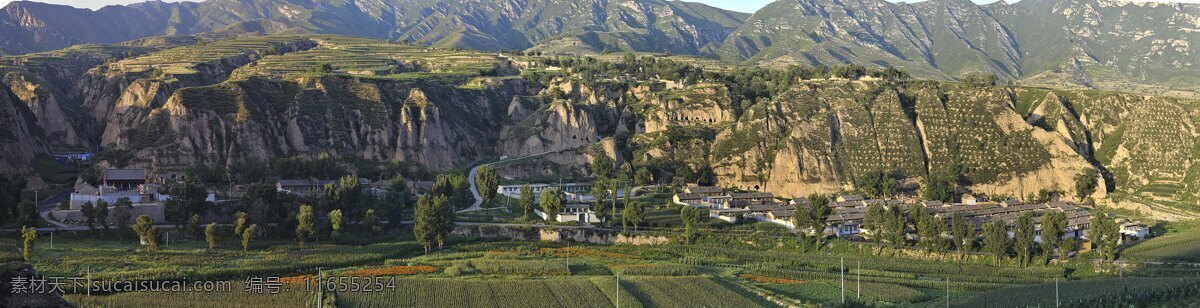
(959, 128)
(376, 59)
(187, 60)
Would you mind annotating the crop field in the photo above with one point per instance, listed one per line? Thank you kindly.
(237, 296)
(1181, 244)
(1086, 292)
(117, 260)
(829, 291)
(183, 60)
(687, 292)
(565, 292)
(545, 274)
(375, 59)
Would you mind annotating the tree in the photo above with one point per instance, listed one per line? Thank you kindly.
(29, 214)
(940, 229)
(633, 214)
(927, 229)
(874, 220)
(980, 79)
(939, 186)
(872, 182)
(643, 177)
(305, 227)
(1024, 236)
(551, 202)
(454, 187)
(1054, 225)
(445, 219)
(193, 226)
(371, 222)
(690, 217)
(434, 220)
(602, 165)
(122, 213)
(1085, 183)
(398, 201)
(600, 189)
(335, 222)
(894, 223)
(323, 68)
(1104, 235)
(11, 186)
(820, 204)
(247, 236)
(147, 232)
(89, 215)
(963, 231)
(995, 240)
(346, 194)
(488, 180)
(187, 199)
(811, 218)
(526, 199)
(239, 223)
(101, 212)
(28, 235)
(426, 224)
(210, 234)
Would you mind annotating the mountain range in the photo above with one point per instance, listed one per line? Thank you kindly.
(1115, 45)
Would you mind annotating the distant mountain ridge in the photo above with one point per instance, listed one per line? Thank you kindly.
(642, 25)
(1115, 45)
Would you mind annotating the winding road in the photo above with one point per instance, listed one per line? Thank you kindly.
(475, 189)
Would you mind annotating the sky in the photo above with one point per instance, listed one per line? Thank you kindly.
(747, 6)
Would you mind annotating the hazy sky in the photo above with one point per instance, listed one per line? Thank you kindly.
(748, 6)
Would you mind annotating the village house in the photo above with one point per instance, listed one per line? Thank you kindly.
(1134, 230)
(514, 191)
(302, 187)
(123, 179)
(690, 199)
(579, 212)
(707, 191)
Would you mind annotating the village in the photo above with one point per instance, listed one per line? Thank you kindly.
(845, 219)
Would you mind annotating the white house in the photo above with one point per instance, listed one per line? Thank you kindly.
(574, 212)
(1135, 229)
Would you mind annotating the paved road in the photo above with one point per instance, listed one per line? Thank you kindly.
(475, 189)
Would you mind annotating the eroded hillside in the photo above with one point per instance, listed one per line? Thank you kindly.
(793, 132)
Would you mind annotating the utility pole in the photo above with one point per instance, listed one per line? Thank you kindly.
(618, 290)
(1056, 302)
(858, 276)
(947, 292)
(320, 290)
(842, 270)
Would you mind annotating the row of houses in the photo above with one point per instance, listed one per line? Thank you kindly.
(572, 191)
(716, 198)
(849, 211)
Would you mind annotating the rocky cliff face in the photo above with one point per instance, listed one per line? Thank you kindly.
(435, 125)
(20, 138)
(823, 136)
